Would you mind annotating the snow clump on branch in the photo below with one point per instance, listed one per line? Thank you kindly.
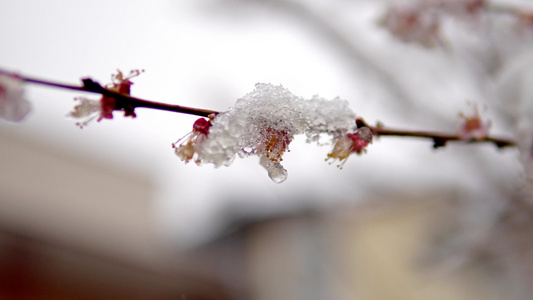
(264, 122)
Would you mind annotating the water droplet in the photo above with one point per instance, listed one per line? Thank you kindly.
(276, 172)
(248, 150)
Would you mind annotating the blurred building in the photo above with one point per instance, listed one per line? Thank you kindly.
(73, 229)
(373, 252)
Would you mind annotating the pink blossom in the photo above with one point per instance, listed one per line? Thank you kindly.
(191, 144)
(103, 108)
(473, 127)
(13, 106)
(93, 109)
(420, 22)
(413, 25)
(351, 143)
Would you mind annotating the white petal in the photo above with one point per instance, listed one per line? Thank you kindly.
(13, 107)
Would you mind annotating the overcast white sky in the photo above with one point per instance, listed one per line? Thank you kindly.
(207, 55)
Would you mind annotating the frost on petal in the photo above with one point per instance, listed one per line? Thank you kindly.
(13, 106)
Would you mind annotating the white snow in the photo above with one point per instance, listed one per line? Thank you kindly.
(264, 122)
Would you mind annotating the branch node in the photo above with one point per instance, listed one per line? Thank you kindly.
(359, 122)
(439, 142)
(91, 85)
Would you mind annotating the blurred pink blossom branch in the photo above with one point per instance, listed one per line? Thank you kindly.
(421, 21)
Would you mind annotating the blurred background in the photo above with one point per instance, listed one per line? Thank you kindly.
(109, 211)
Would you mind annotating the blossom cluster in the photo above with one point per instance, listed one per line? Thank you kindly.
(89, 109)
(264, 122)
(190, 145)
(420, 22)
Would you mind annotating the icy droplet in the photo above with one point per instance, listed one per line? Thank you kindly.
(276, 172)
(248, 150)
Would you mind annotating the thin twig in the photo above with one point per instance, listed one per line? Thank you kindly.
(91, 86)
(439, 138)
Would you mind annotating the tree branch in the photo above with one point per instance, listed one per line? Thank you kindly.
(91, 86)
(439, 138)
(123, 100)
